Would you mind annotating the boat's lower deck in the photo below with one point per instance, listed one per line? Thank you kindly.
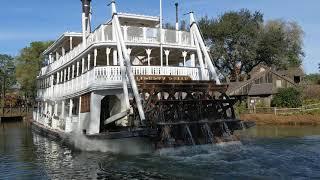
(147, 140)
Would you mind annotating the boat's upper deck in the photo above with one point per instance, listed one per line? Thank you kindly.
(78, 63)
(138, 30)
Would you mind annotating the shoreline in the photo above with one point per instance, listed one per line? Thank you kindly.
(292, 120)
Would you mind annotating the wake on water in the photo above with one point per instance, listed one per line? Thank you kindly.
(126, 146)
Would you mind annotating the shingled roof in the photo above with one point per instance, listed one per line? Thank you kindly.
(261, 89)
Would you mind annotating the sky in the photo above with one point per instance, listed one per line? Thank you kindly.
(41, 20)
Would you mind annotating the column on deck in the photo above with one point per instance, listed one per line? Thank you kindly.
(55, 113)
(95, 107)
(69, 69)
(71, 43)
(78, 68)
(73, 69)
(193, 60)
(50, 58)
(63, 109)
(95, 54)
(89, 61)
(148, 51)
(184, 54)
(167, 52)
(57, 56)
(115, 57)
(68, 127)
(82, 64)
(108, 51)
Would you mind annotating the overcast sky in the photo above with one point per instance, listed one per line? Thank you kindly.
(37, 20)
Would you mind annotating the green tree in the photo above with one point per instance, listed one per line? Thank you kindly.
(312, 78)
(287, 37)
(287, 97)
(239, 41)
(28, 66)
(7, 70)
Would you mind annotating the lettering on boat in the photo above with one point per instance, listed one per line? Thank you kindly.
(162, 78)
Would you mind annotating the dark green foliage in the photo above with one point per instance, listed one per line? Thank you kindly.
(287, 97)
(7, 68)
(240, 40)
(29, 63)
(312, 78)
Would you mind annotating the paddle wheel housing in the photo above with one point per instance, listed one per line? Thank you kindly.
(186, 112)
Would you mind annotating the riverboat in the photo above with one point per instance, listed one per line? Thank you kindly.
(131, 79)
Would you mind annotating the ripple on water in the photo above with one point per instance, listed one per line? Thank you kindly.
(255, 158)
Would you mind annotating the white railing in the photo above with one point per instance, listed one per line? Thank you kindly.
(111, 76)
(131, 34)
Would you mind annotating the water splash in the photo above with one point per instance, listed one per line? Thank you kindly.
(130, 146)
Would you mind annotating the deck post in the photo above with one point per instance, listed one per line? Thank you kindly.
(50, 58)
(89, 59)
(167, 52)
(57, 56)
(73, 71)
(193, 60)
(65, 75)
(115, 57)
(79, 115)
(144, 31)
(70, 43)
(58, 77)
(108, 50)
(78, 68)
(55, 108)
(184, 54)
(61, 76)
(125, 33)
(63, 109)
(46, 108)
(95, 57)
(148, 51)
(69, 73)
(95, 110)
(82, 64)
(70, 107)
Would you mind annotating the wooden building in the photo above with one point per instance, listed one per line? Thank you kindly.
(262, 84)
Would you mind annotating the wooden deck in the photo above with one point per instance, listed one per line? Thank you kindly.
(8, 112)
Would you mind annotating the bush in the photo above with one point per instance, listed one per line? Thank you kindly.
(240, 107)
(287, 97)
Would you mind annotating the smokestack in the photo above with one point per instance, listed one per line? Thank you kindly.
(177, 16)
(86, 24)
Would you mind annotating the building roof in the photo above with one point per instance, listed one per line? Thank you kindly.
(256, 74)
(261, 89)
(130, 19)
(60, 40)
(292, 71)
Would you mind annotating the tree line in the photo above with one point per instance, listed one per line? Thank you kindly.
(241, 40)
(24, 68)
(238, 41)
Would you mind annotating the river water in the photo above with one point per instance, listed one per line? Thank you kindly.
(265, 152)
